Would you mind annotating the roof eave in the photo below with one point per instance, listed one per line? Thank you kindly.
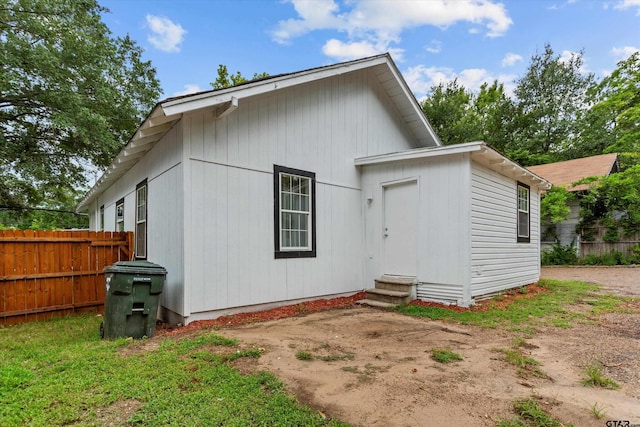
(167, 113)
(479, 151)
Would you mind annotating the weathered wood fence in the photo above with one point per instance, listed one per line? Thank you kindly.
(598, 246)
(48, 273)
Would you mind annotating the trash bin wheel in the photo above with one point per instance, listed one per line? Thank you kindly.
(102, 330)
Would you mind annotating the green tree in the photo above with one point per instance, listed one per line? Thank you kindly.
(51, 214)
(494, 112)
(225, 79)
(553, 206)
(613, 123)
(449, 108)
(70, 96)
(613, 202)
(550, 100)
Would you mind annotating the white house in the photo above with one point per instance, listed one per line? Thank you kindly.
(565, 174)
(313, 184)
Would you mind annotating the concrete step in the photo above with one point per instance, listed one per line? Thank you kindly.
(396, 283)
(408, 280)
(387, 296)
(373, 303)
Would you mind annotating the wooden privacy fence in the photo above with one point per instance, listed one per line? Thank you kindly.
(598, 246)
(46, 273)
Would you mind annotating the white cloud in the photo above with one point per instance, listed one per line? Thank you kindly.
(376, 24)
(165, 35)
(420, 79)
(511, 59)
(188, 89)
(314, 15)
(345, 51)
(434, 47)
(352, 50)
(628, 4)
(624, 52)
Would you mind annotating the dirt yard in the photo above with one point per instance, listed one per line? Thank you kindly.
(373, 368)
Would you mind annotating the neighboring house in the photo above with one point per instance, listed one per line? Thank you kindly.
(564, 174)
(313, 184)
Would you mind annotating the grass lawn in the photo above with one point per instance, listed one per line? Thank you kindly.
(60, 372)
(526, 311)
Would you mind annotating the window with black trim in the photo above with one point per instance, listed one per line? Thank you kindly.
(524, 217)
(294, 212)
(120, 215)
(102, 218)
(141, 220)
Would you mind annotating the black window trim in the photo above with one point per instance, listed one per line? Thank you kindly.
(522, 239)
(101, 219)
(277, 170)
(146, 219)
(118, 203)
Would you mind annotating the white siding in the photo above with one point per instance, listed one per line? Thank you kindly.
(443, 229)
(498, 261)
(319, 127)
(163, 169)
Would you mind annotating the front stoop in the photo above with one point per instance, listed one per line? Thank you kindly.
(391, 291)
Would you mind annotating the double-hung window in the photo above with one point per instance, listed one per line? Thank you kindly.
(102, 218)
(120, 215)
(524, 214)
(141, 220)
(294, 213)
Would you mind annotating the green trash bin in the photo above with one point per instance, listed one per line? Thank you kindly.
(132, 296)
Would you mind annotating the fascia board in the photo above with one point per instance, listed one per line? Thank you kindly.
(207, 100)
(421, 153)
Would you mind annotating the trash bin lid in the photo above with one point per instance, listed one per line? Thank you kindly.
(136, 267)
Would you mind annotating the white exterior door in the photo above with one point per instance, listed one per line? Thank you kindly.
(400, 228)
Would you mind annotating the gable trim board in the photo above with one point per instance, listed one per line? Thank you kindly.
(210, 158)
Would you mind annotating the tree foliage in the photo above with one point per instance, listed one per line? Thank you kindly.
(615, 118)
(553, 206)
(550, 98)
(450, 112)
(614, 202)
(70, 96)
(494, 111)
(225, 79)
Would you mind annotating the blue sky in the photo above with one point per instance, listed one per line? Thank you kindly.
(431, 41)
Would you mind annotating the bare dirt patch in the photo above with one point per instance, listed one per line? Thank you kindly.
(373, 367)
(619, 280)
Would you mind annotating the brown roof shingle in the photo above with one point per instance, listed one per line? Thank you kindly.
(567, 172)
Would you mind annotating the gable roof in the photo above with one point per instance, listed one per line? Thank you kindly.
(566, 173)
(165, 114)
(479, 151)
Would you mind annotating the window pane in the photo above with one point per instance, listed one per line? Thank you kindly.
(523, 224)
(286, 201)
(305, 203)
(141, 238)
(285, 183)
(295, 239)
(285, 237)
(295, 223)
(295, 184)
(303, 222)
(304, 187)
(303, 239)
